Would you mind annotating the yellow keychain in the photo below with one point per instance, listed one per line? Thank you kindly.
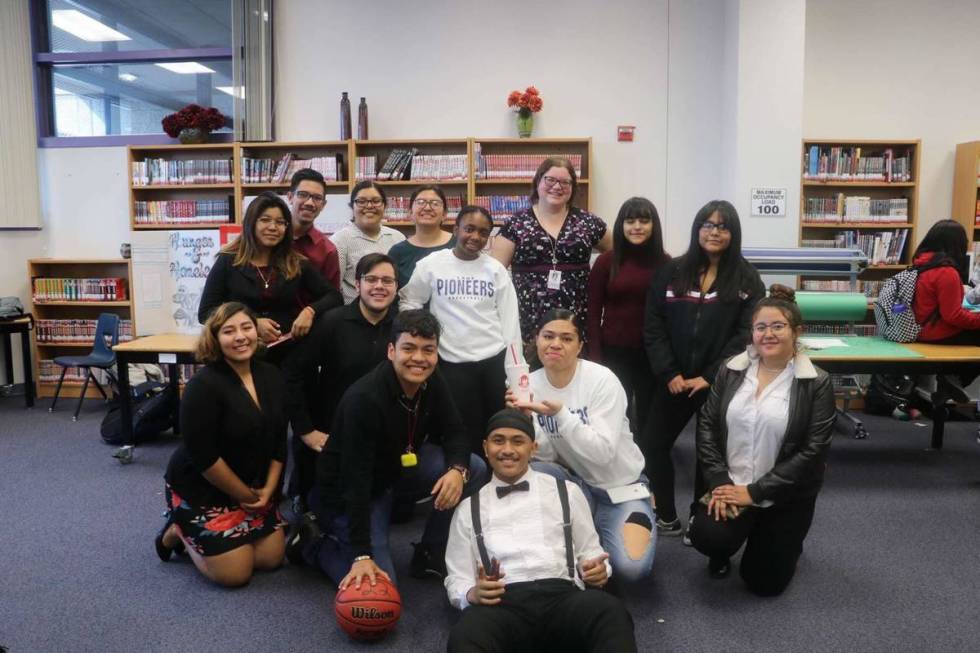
(409, 459)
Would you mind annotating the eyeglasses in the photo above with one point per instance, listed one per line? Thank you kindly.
(369, 201)
(777, 328)
(554, 181)
(316, 197)
(432, 204)
(273, 222)
(720, 227)
(372, 280)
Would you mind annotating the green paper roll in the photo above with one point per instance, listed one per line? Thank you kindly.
(832, 306)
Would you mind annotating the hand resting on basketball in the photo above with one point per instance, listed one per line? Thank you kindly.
(360, 570)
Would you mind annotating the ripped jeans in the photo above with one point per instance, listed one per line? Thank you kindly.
(610, 519)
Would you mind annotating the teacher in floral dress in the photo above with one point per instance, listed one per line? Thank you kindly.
(548, 246)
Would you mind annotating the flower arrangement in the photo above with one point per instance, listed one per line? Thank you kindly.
(527, 102)
(193, 116)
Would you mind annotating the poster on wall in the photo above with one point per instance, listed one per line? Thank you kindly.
(170, 268)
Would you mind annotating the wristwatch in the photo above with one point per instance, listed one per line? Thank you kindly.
(463, 471)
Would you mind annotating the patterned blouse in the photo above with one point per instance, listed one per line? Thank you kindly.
(536, 253)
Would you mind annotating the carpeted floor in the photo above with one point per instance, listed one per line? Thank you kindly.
(891, 563)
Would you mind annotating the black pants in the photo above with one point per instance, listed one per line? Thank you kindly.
(773, 539)
(546, 615)
(631, 367)
(478, 391)
(669, 414)
(967, 337)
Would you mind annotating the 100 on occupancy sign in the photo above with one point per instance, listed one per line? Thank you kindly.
(768, 202)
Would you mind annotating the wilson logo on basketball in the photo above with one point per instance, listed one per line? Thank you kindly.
(371, 613)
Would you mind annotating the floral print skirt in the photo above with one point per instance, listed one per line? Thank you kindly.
(213, 530)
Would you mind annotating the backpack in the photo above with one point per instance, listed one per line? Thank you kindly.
(893, 310)
(153, 413)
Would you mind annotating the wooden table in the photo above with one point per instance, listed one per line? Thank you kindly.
(171, 349)
(935, 359)
(23, 326)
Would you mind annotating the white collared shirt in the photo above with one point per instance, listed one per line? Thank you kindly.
(757, 425)
(523, 531)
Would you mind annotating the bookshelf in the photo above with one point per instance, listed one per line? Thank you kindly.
(966, 192)
(182, 186)
(63, 326)
(860, 193)
(270, 166)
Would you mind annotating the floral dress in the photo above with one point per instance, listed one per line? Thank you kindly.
(536, 254)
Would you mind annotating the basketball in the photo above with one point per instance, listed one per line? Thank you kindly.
(370, 612)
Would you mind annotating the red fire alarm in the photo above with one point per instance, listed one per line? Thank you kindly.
(625, 133)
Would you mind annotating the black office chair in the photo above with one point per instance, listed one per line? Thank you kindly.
(102, 357)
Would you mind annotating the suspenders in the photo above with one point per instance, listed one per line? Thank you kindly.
(566, 516)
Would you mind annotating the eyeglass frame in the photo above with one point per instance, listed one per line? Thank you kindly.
(720, 227)
(303, 195)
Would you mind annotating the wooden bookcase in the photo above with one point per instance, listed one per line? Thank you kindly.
(74, 310)
(196, 191)
(966, 190)
(472, 186)
(831, 189)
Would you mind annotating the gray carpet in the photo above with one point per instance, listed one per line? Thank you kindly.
(891, 563)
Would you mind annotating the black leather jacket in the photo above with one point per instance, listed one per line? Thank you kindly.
(800, 464)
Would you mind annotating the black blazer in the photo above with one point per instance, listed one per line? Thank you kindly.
(801, 461)
(282, 302)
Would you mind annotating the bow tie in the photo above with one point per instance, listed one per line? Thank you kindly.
(504, 490)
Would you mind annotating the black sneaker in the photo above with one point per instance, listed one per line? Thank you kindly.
(304, 531)
(669, 528)
(719, 567)
(427, 561)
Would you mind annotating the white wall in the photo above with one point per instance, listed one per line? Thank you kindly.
(433, 69)
(897, 69)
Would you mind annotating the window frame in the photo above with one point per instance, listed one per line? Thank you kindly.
(44, 61)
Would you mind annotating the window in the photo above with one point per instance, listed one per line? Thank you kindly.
(108, 71)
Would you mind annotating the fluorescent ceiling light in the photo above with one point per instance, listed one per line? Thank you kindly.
(85, 27)
(185, 67)
(128, 77)
(230, 90)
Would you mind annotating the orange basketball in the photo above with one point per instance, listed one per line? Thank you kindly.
(370, 612)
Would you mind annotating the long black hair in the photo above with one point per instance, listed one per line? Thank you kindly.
(652, 251)
(731, 268)
(947, 240)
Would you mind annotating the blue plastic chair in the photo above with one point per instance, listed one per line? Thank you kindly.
(102, 357)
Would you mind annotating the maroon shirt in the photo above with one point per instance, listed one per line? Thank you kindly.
(616, 306)
(322, 253)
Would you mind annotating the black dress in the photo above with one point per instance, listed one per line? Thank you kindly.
(219, 420)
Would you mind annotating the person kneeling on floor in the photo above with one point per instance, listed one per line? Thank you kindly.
(536, 532)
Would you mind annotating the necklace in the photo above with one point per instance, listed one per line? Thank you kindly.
(262, 276)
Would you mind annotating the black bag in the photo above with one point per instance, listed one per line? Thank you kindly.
(153, 413)
(10, 308)
(886, 392)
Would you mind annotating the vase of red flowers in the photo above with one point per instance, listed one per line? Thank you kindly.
(526, 104)
(193, 123)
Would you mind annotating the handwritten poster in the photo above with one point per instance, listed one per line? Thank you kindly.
(191, 256)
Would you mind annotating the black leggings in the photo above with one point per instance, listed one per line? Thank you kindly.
(774, 538)
(478, 391)
(631, 367)
(669, 414)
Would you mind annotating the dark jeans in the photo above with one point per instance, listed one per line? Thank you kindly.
(669, 414)
(478, 392)
(303, 476)
(632, 368)
(332, 553)
(546, 615)
(773, 539)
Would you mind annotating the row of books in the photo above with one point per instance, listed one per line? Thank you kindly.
(366, 167)
(50, 372)
(397, 165)
(839, 329)
(165, 172)
(855, 208)
(884, 247)
(266, 171)
(502, 207)
(75, 331)
(850, 164)
(978, 212)
(399, 209)
(869, 288)
(181, 212)
(59, 289)
(517, 166)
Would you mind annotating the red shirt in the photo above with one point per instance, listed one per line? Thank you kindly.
(940, 288)
(322, 253)
(616, 306)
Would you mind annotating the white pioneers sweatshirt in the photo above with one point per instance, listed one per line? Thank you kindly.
(591, 433)
(474, 301)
